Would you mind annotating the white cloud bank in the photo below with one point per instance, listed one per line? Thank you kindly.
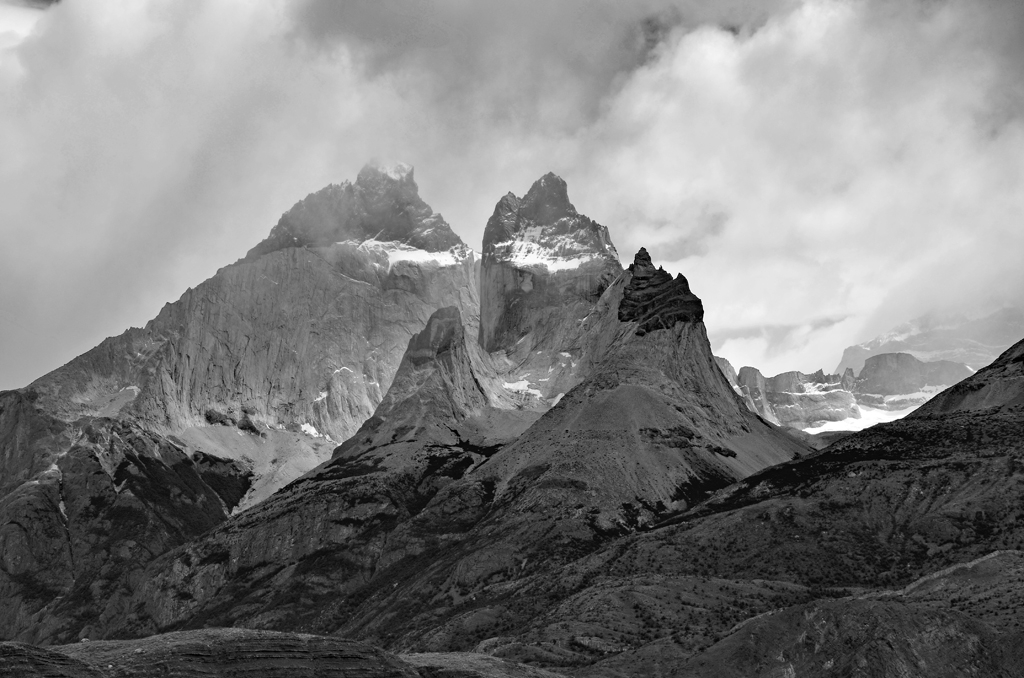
(819, 170)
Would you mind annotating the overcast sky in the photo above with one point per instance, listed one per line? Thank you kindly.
(820, 170)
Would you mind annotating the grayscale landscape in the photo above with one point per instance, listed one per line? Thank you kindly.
(712, 367)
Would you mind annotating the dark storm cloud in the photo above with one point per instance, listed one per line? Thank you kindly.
(535, 61)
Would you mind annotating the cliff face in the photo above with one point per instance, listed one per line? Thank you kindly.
(801, 400)
(754, 390)
(307, 330)
(890, 381)
(544, 265)
(899, 380)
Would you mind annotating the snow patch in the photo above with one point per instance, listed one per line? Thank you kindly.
(395, 252)
(310, 430)
(398, 171)
(343, 369)
(869, 417)
(322, 396)
(554, 401)
(63, 510)
(927, 393)
(134, 389)
(521, 386)
(526, 254)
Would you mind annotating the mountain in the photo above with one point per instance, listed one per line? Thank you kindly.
(972, 342)
(240, 386)
(800, 400)
(888, 382)
(544, 266)
(884, 510)
(895, 381)
(412, 510)
(555, 471)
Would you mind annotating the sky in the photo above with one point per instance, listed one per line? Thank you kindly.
(820, 170)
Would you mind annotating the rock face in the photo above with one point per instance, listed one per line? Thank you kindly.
(728, 370)
(307, 330)
(656, 301)
(974, 343)
(800, 400)
(95, 518)
(889, 381)
(754, 390)
(896, 381)
(544, 266)
(383, 205)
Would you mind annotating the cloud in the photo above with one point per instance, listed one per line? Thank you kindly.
(865, 156)
(800, 162)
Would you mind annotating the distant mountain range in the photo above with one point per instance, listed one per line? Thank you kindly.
(974, 342)
(508, 465)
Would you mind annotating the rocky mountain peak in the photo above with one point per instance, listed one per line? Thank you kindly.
(655, 300)
(543, 228)
(443, 332)
(547, 201)
(544, 265)
(375, 174)
(383, 204)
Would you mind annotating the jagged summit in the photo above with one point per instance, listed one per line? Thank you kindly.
(543, 231)
(547, 201)
(383, 204)
(655, 300)
(374, 171)
(543, 264)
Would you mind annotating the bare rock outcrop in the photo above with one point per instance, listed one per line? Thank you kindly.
(654, 300)
(802, 400)
(544, 266)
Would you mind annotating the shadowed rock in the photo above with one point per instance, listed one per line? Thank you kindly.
(655, 300)
(544, 265)
(18, 660)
